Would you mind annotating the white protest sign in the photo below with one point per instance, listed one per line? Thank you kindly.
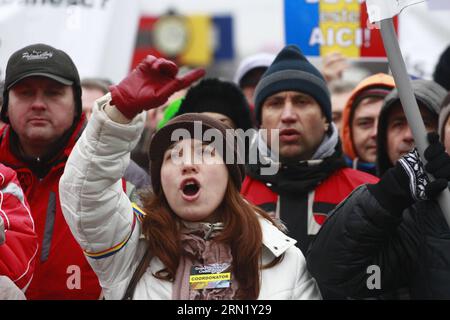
(423, 35)
(99, 35)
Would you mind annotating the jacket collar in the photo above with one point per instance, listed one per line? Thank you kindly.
(328, 145)
(274, 239)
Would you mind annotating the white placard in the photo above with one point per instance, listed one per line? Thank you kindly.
(423, 36)
(99, 35)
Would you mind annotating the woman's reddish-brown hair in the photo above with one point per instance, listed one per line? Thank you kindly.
(242, 232)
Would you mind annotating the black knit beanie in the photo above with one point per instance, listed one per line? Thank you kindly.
(214, 95)
(162, 140)
(291, 71)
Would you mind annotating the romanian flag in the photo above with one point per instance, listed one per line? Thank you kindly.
(208, 39)
(199, 49)
(321, 27)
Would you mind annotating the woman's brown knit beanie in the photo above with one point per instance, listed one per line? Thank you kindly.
(162, 140)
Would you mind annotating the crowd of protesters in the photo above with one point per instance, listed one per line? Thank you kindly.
(306, 182)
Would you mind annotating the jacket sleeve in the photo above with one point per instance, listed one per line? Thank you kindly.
(9, 291)
(306, 287)
(98, 212)
(362, 250)
(19, 246)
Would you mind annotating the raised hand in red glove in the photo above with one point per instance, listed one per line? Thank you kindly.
(150, 85)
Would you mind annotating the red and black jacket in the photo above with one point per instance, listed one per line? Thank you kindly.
(19, 248)
(303, 214)
(62, 271)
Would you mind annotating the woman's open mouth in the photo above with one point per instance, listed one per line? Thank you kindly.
(190, 189)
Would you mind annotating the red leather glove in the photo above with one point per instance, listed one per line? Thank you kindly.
(150, 85)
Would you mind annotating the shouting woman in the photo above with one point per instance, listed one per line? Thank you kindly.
(195, 236)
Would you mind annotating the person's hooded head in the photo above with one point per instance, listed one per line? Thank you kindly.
(220, 99)
(360, 117)
(394, 137)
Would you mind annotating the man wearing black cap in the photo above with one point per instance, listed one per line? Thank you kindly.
(42, 109)
(292, 99)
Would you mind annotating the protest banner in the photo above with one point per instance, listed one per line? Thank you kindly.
(99, 35)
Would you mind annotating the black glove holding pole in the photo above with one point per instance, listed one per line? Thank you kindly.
(407, 181)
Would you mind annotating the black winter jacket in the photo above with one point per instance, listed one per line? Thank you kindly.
(411, 250)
